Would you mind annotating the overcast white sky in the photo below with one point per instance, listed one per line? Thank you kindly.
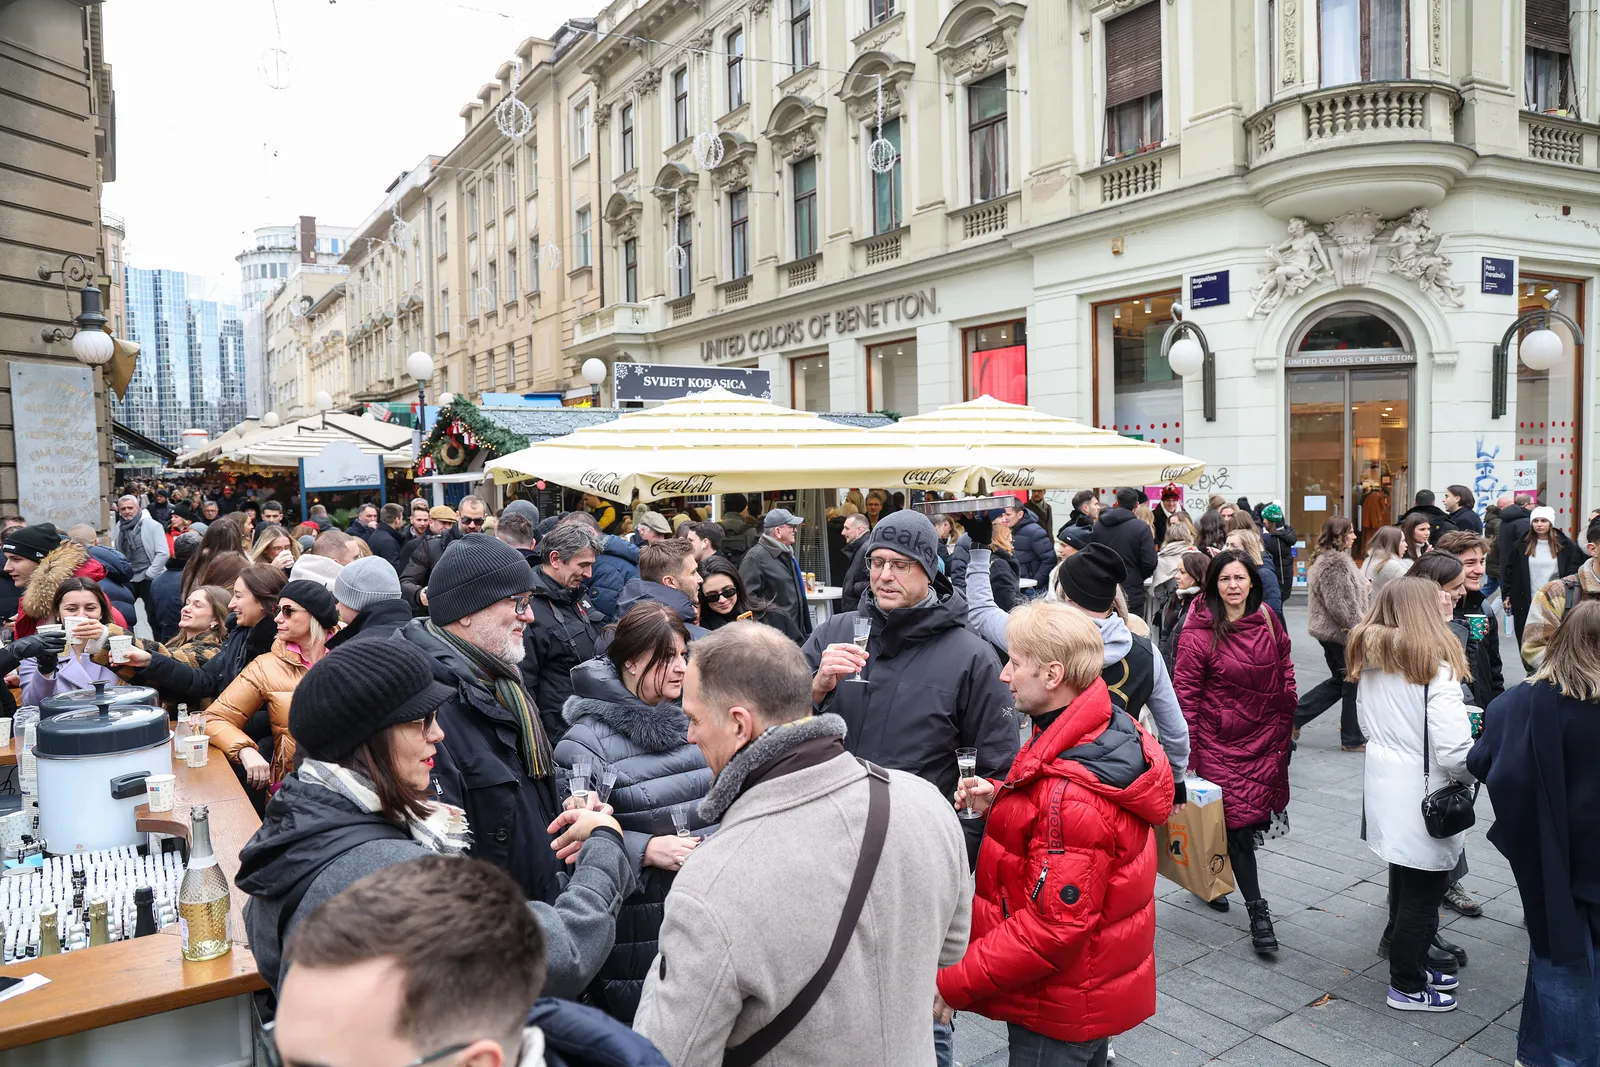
(207, 151)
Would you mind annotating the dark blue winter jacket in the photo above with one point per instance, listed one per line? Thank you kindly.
(616, 567)
(576, 1035)
(1036, 555)
(119, 572)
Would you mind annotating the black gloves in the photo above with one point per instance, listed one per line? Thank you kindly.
(980, 531)
(1180, 793)
(39, 646)
(47, 663)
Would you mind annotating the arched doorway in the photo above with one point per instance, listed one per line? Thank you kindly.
(1350, 399)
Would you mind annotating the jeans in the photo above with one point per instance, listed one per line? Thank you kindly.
(1414, 899)
(1029, 1049)
(1490, 587)
(1560, 1014)
(1330, 692)
(944, 1038)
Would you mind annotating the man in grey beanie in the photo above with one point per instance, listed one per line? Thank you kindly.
(932, 685)
(495, 760)
(367, 593)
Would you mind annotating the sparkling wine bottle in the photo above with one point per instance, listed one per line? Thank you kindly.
(203, 896)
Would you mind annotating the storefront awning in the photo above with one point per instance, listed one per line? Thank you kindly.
(1012, 446)
(284, 446)
(712, 442)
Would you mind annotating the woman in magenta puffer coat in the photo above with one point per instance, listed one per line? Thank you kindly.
(1235, 683)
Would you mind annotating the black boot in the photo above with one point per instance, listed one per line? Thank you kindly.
(1440, 958)
(1448, 947)
(1262, 935)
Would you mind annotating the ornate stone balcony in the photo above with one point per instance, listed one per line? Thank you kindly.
(1558, 139)
(613, 319)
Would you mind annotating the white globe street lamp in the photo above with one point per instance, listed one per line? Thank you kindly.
(323, 400)
(420, 366)
(270, 420)
(1542, 349)
(1186, 356)
(594, 372)
(93, 348)
(1188, 353)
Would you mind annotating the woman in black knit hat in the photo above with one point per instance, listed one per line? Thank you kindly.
(366, 722)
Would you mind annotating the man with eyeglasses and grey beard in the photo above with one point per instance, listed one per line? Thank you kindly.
(496, 760)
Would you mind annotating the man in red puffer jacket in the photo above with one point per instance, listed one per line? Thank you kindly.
(1064, 920)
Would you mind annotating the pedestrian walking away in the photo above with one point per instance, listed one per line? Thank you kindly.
(1409, 669)
(1235, 683)
(1134, 541)
(1337, 594)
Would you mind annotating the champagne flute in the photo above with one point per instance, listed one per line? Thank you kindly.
(967, 767)
(607, 782)
(680, 819)
(863, 632)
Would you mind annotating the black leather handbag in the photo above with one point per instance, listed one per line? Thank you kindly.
(1448, 811)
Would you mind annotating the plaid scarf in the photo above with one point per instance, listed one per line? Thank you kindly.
(505, 680)
(443, 831)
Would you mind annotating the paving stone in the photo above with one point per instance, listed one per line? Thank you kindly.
(1355, 921)
(1328, 948)
(1269, 984)
(1497, 1042)
(1260, 1052)
(1172, 945)
(1197, 990)
(1195, 1026)
(1466, 1057)
(1194, 926)
(1512, 1017)
(1148, 1046)
(1506, 935)
(1383, 1027)
(1294, 963)
(1315, 866)
(1325, 1044)
(975, 1042)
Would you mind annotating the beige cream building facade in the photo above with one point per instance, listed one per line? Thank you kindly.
(57, 148)
(290, 320)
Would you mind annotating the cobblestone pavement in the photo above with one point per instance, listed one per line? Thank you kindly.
(1320, 999)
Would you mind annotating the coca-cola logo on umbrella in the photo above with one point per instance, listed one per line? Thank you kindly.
(1021, 478)
(932, 476)
(606, 483)
(688, 485)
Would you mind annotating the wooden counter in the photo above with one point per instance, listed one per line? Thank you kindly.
(129, 980)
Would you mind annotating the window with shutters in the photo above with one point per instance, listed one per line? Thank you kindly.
(987, 150)
(1362, 40)
(1133, 82)
(1547, 76)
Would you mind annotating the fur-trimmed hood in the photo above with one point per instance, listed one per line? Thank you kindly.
(67, 559)
(598, 692)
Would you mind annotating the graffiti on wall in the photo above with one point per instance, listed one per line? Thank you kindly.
(1487, 485)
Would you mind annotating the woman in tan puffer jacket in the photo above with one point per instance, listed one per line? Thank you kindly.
(1337, 593)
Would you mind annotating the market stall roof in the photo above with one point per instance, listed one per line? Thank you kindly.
(286, 445)
(543, 423)
(711, 442)
(1012, 446)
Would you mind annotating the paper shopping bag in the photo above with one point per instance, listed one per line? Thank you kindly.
(1194, 851)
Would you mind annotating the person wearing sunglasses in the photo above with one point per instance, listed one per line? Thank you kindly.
(723, 599)
(447, 525)
(306, 614)
(367, 721)
(370, 985)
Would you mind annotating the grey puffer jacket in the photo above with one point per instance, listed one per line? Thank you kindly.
(657, 769)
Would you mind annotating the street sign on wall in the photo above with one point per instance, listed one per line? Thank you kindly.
(1499, 276)
(1209, 290)
(664, 381)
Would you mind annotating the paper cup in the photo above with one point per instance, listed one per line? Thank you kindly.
(163, 791)
(199, 751)
(5, 731)
(1478, 626)
(121, 645)
(50, 628)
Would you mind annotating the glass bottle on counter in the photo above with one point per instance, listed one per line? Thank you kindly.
(203, 895)
(144, 902)
(49, 936)
(99, 925)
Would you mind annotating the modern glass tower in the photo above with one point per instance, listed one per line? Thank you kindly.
(191, 363)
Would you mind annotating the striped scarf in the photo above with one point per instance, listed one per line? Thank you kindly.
(505, 680)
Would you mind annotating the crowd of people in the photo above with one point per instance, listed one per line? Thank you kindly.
(608, 738)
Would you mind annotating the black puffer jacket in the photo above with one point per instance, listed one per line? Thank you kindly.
(657, 769)
(1133, 540)
(1279, 546)
(1034, 550)
(854, 577)
(932, 686)
(562, 636)
(1004, 574)
(180, 682)
(478, 767)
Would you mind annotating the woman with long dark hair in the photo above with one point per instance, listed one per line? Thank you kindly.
(1191, 581)
(251, 629)
(724, 599)
(626, 717)
(1235, 682)
(1386, 557)
(220, 557)
(1213, 532)
(1416, 534)
(80, 605)
(1536, 758)
(1409, 669)
(1337, 593)
(1544, 555)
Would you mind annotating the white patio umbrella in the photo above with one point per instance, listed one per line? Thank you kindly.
(709, 443)
(1012, 446)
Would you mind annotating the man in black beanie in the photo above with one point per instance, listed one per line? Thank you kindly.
(932, 686)
(495, 760)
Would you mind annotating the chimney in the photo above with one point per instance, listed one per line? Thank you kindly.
(308, 239)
